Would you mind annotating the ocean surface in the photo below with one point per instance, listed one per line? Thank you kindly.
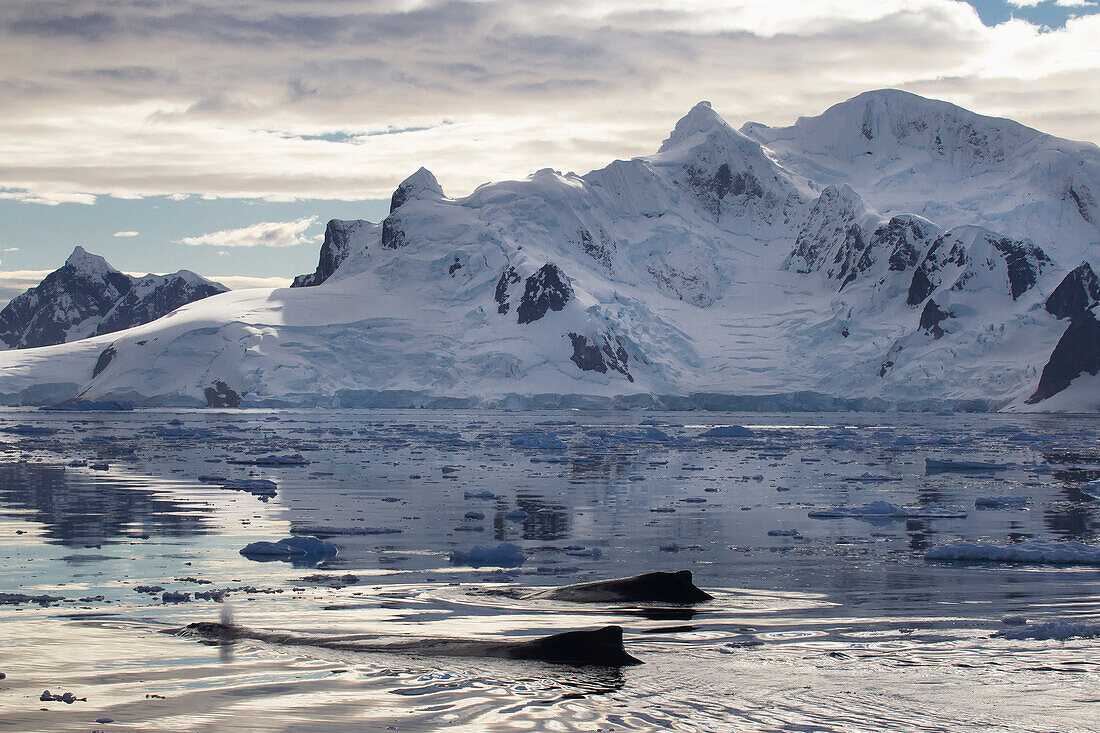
(826, 624)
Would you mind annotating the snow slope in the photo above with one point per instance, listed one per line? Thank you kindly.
(762, 267)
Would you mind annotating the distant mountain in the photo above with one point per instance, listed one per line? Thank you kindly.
(893, 252)
(87, 297)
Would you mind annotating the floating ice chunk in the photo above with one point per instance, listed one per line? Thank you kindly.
(873, 478)
(886, 509)
(324, 531)
(1046, 552)
(504, 555)
(291, 548)
(479, 495)
(931, 465)
(1001, 502)
(576, 551)
(1052, 630)
(543, 441)
(728, 431)
(517, 515)
(1013, 620)
(784, 533)
(256, 486)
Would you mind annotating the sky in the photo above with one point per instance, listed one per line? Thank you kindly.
(220, 135)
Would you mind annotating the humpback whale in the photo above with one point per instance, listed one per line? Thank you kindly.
(598, 647)
(659, 587)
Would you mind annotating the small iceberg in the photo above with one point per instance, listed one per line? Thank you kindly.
(728, 431)
(884, 509)
(931, 465)
(1001, 502)
(295, 549)
(1043, 552)
(1051, 630)
(504, 555)
(260, 487)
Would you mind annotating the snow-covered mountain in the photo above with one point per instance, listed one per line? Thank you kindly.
(87, 297)
(894, 251)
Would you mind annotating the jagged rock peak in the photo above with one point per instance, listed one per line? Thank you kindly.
(86, 262)
(421, 184)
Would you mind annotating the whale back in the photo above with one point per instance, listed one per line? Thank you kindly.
(656, 587)
(597, 647)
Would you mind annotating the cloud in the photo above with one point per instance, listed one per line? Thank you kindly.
(343, 98)
(242, 282)
(264, 234)
(126, 234)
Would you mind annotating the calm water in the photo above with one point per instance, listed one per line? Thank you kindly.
(842, 627)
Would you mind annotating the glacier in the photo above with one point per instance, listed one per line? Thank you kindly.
(894, 252)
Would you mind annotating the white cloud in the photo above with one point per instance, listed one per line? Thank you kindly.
(249, 98)
(264, 234)
(241, 282)
(126, 234)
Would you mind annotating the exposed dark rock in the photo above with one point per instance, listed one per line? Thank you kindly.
(507, 279)
(586, 355)
(591, 357)
(1077, 352)
(1024, 260)
(832, 239)
(600, 247)
(1078, 291)
(393, 233)
(547, 289)
(336, 248)
(221, 395)
(712, 188)
(1083, 200)
(421, 184)
(454, 267)
(907, 237)
(87, 297)
(155, 296)
(104, 360)
(931, 317)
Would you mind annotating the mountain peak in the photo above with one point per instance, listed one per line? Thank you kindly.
(86, 262)
(701, 119)
(416, 186)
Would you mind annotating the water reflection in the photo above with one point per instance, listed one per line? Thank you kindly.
(78, 510)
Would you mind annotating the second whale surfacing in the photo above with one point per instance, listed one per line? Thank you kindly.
(598, 647)
(657, 587)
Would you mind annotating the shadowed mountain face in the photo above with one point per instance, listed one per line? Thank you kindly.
(87, 297)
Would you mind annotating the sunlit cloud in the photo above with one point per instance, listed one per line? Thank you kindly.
(126, 234)
(263, 234)
(341, 100)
